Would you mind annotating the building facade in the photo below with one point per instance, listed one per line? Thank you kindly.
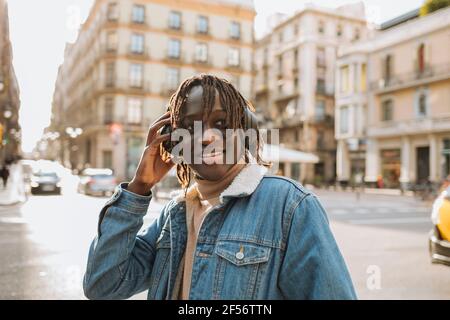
(294, 82)
(129, 57)
(10, 131)
(393, 103)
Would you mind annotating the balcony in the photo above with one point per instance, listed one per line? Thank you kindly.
(321, 89)
(430, 74)
(168, 90)
(234, 68)
(139, 55)
(174, 59)
(202, 63)
(323, 119)
(283, 95)
(123, 86)
(410, 127)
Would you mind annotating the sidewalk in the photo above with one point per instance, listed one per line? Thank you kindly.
(15, 189)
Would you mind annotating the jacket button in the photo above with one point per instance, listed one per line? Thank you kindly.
(239, 255)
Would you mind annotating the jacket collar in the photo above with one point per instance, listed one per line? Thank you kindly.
(244, 184)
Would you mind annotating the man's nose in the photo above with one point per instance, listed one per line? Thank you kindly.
(210, 135)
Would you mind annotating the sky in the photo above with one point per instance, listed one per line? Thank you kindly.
(40, 29)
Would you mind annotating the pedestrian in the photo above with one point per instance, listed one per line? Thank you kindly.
(237, 232)
(4, 172)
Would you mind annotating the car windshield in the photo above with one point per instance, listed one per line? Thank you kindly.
(102, 176)
(46, 174)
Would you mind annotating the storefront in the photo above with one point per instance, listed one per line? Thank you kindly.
(391, 167)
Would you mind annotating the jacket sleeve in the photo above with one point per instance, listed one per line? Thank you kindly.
(313, 267)
(120, 261)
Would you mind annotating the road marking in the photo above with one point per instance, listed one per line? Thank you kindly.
(392, 220)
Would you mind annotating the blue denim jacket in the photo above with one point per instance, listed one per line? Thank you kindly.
(269, 238)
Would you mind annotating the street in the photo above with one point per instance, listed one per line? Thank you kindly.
(44, 245)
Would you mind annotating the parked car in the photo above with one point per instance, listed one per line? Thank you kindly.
(96, 181)
(439, 237)
(45, 182)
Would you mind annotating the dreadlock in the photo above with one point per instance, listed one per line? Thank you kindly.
(230, 99)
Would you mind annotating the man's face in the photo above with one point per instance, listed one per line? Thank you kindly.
(210, 146)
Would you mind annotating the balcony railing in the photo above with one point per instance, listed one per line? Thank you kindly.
(283, 95)
(124, 85)
(404, 80)
(138, 54)
(202, 63)
(325, 119)
(415, 126)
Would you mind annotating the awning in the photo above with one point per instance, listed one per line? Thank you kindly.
(278, 153)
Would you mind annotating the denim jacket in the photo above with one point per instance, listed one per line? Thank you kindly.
(269, 238)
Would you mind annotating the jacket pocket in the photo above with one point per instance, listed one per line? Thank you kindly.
(241, 254)
(240, 268)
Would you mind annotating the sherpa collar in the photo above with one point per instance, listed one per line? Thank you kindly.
(243, 184)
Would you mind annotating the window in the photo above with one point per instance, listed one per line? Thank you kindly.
(233, 57)
(110, 74)
(343, 120)
(321, 27)
(113, 11)
(108, 111)
(422, 111)
(321, 89)
(137, 43)
(111, 41)
(321, 56)
(174, 48)
(235, 30)
(134, 110)
(421, 58)
(363, 79)
(202, 24)
(320, 139)
(387, 110)
(387, 68)
(138, 14)
(295, 83)
(320, 109)
(173, 78)
(339, 31)
(345, 86)
(175, 20)
(296, 29)
(357, 34)
(136, 72)
(421, 103)
(107, 159)
(201, 52)
(280, 66)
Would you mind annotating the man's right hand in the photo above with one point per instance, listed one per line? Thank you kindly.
(151, 168)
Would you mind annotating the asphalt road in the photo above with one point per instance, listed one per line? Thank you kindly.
(44, 244)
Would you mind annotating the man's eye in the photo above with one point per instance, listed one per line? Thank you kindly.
(221, 123)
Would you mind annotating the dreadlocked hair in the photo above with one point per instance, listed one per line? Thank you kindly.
(231, 100)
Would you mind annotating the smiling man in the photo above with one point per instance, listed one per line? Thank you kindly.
(236, 233)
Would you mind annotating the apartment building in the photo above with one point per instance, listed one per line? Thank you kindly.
(129, 57)
(393, 103)
(10, 131)
(294, 82)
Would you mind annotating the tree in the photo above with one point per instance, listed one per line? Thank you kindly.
(430, 6)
